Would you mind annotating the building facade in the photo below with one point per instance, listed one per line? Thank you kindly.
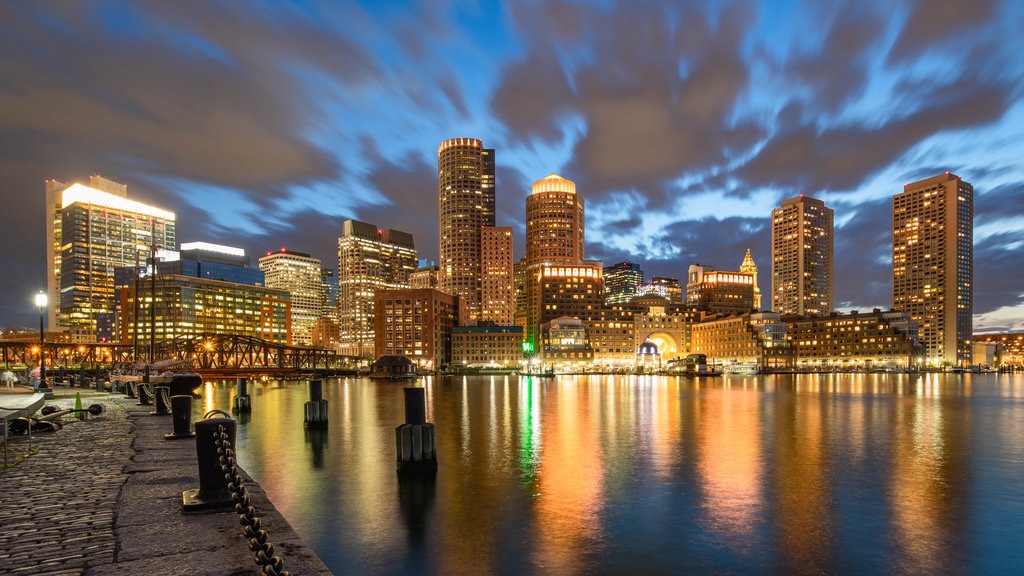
(301, 275)
(487, 346)
(425, 277)
(497, 293)
(758, 337)
(802, 257)
(99, 231)
(718, 291)
(749, 267)
(621, 282)
(369, 260)
(933, 264)
(465, 204)
(191, 307)
(1012, 345)
(417, 324)
(855, 341)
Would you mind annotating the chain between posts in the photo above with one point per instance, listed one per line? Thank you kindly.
(259, 543)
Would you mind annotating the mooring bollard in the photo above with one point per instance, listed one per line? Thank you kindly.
(416, 440)
(162, 399)
(241, 402)
(145, 395)
(129, 388)
(213, 491)
(181, 414)
(316, 408)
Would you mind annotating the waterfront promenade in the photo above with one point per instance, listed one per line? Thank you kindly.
(103, 496)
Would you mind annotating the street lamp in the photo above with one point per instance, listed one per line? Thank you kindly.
(41, 304)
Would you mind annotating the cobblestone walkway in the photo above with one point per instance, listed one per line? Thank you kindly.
(103, 496)
(57, 506)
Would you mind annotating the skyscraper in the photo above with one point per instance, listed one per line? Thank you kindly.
(98, 231)
(497, 296)
(554, 222)
(933, 263)
(301, 275)
(368, 260)
(558, 281)
(621, 281)
(465, 205)
(802, 257)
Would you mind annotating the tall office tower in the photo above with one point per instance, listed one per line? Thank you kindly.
(621, 281)
(718, 291)
(99, 231)
(802, 257)
(368, 260)
(748, 267)
(497, 295)
(933, 264)
(54, 204)
(301, 275)
(465, 205)
(554, 222)
(554, 257)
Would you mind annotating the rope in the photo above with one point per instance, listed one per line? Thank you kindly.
(259, 543)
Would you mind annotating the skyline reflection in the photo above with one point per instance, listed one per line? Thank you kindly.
(600, 474)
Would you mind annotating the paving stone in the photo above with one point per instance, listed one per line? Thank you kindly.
(103, 496)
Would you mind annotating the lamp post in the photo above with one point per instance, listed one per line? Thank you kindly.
(41, 304)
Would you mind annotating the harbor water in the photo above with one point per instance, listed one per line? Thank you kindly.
(765, 474)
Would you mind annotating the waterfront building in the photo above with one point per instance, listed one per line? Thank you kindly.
(1011, 343)
(858, 340)
(94, 230)
(557, 281)
(416, 324)
(617, 335)
(933, 264)
(621, 282)
(497, 293)
(465, 204)
(564, 345)
(172, 306)
(301, 275)
(718, 291)
(802, 257)
(749, 267)
(560, 290)
(753, 337)
(425, 277)
(493, 346)
(369, 260)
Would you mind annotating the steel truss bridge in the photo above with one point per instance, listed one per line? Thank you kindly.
(208, 354)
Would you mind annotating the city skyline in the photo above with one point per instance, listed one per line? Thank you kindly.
(682, 129)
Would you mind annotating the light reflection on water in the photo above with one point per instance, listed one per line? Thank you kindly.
(788, 474)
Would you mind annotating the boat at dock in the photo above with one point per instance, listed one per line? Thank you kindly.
(741, 368)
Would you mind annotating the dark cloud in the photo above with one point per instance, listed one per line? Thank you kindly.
(840, 159)
(941, 22)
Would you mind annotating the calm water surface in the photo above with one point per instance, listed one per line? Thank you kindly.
(788, 474)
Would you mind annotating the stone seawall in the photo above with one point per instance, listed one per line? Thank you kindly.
(103, 496)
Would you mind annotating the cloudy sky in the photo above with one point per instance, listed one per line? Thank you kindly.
(266, 125)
